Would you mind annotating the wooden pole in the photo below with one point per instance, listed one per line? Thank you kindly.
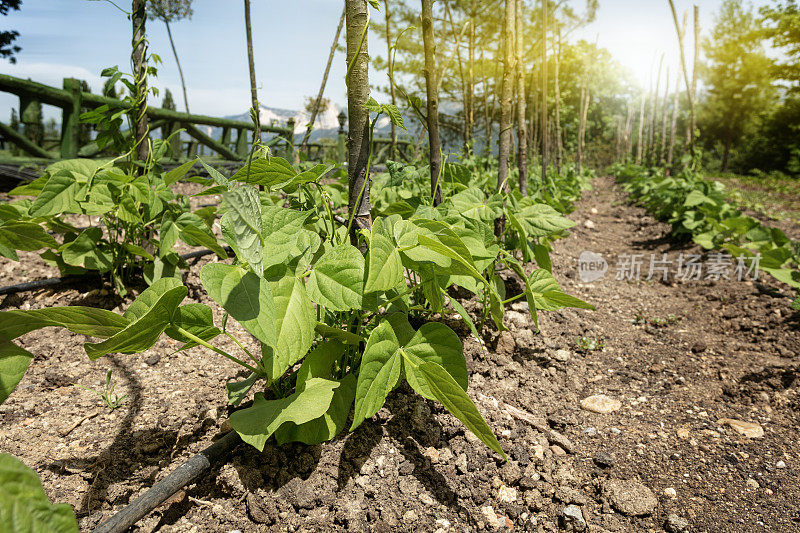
(256, 113)
(431, 84)
(139, 61)
(358, 140)
(544, 95)
(522, 127)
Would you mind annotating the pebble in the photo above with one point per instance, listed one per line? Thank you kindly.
(780, 464)
(604, 460)
(588, 224)
(676, 524)
(153, 359)
(593, 211)
(600, 403)
(590, 431)
(752, 484)
(506, 494)
(426, 498)
(615, 431)
(670, 492)
(572, 519)
(562, 355)
(494, 520)
(750, 430)
(630, 497)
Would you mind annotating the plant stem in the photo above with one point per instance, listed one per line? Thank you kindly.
(223, 353)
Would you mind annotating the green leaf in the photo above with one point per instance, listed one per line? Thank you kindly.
(14, 362)
(178, 173)
(200, 235)
(281, 229)
(82, 320)
(696, 198)
(24, 506)
(216, 175)
(384, 267)
(195, 318)
(25, 236)
(380, 366)
(468, 320)
(326, 427)
(337, 279)
(295, 319)
(373, 105)
(540, 220)
(85, 252)
(57, 196)
(237, 390)
(142, 333)
(255, 424)
(394, 115)
(246, 296)
(450, 393)
(436, 343)
(272, 172)
(542, 256)
(242, 213)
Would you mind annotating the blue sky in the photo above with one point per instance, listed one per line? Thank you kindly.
(62, 38)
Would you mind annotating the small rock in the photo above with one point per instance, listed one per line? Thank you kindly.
(443, 523)
(615, 431)
(521, 306)
(433, 454)
(676, 524)
(600, 403)
(604, 460)
(752, 484)
(683, 433)
(780, 464)
(506, 494)
(630, 497)
(590, 431)
(494, 520)
(152, 359)
(593, 211)
(562, 355)
(426, 498)
(750, 430)
(588, 224)
(505, 344)
(410, 516)
(517, 319)
(572, 519)
(670, 492)
(699, 347)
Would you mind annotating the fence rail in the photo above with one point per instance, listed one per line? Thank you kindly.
(73, 101)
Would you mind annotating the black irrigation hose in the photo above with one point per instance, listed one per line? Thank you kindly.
(184, 475)
(57, 282)
(41, 284)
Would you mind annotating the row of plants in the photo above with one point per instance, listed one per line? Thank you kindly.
(340, 322)
(698, 210)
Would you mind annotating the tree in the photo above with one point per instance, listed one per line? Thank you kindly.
(781, 23)
(8, 50)
(14, 126)
(738, 90)
(167, 102)
(170, 11)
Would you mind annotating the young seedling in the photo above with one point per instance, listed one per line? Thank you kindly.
(107, 395)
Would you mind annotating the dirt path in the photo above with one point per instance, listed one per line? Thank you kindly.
(702, 351)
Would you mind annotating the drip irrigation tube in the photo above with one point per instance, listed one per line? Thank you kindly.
(57, 282)
(184, 475)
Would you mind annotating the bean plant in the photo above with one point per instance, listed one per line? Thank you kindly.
(698, 210)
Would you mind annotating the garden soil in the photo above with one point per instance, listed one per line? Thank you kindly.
(696, 384)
